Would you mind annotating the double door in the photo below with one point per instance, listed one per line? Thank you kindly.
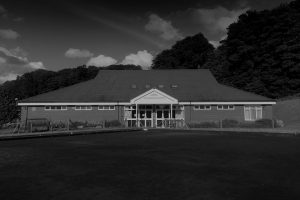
(153, 116)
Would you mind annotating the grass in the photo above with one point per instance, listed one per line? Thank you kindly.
(151, 165)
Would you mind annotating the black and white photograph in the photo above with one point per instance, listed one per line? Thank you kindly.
(150, 100)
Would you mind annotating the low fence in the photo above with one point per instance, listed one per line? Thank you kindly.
(44, 125)
(148, 123)
(231, 123)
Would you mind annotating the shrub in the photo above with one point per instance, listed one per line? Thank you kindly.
(112, 123)
(229, 123)
(264, 123)
(279, 123)
(203, 125)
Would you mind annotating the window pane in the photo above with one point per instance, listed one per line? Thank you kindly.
(133, 114)
(259, 113)
(166, 114)
(231, 107)
(111, 107)
(47, 108)
(202, 107)
(207, 107)
(247, 114)
(148, 114)
(77, 107)
(252, 113)
(225, 107)
(106, 107)
(220, 107)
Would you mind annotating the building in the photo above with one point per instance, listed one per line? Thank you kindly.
(159, 97)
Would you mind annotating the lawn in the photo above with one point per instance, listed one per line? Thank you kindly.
(166, 165)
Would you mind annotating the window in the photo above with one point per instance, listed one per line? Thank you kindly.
(252, 113)
(56, 108)
(202, 107)
(225, 107)
(83, 108)
(106, 107)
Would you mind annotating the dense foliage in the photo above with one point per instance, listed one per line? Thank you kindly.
(262, 52)
(41, 81)
(189, 53)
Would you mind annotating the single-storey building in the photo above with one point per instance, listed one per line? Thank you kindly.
(151, 98)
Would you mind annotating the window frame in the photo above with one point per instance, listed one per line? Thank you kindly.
(221, 107)
(198, 107)
(87, 107)
(249, 109)
(107, 107)
(55, 108)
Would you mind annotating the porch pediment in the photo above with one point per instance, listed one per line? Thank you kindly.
(154, 96)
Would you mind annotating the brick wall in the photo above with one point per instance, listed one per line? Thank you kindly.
(192, 115)
(93, 115)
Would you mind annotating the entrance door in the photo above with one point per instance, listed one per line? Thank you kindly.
(145, 116)
(162, 113)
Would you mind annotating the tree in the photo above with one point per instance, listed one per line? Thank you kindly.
(262, 52)
(189, 53)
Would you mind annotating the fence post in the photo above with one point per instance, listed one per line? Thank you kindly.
(31, 127)
(221, 125)
(273, 123)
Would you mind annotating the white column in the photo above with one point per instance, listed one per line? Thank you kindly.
(136, 115)
(171, 111)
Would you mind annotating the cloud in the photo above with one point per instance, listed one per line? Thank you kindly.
(162, 27)
(142, 58)
(8, 34)
(13, 64)
(101, 61)
(214, 22)
(78, 53)
(7, 77)
(36, 65)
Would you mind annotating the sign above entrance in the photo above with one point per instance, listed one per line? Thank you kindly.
(154, 96)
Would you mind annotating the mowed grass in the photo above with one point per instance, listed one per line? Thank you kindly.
(151, 165)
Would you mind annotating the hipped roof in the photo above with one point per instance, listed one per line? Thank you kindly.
(118, 86)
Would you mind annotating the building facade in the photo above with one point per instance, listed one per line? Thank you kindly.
(154, 98)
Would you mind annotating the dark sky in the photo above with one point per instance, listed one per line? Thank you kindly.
(54, 34)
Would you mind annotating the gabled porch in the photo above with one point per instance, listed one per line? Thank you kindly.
(155, 109)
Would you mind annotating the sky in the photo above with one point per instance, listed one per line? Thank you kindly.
(58, 34)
